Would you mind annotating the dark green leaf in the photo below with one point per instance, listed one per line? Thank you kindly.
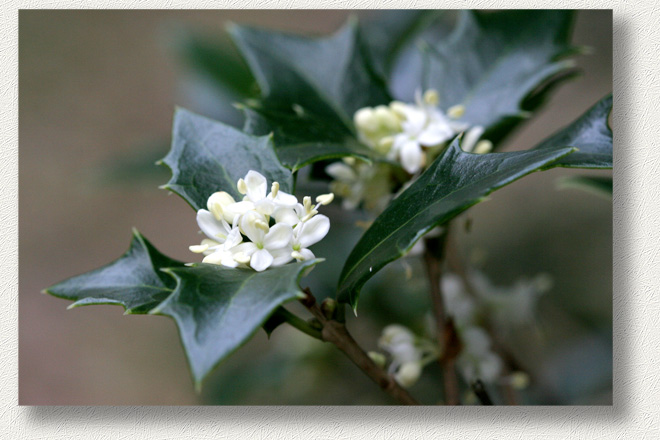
(591, 134)
(217, 309)
(602, 186)
(453, 183)
(387, 34)
(324, 76)
(218, 60)
(494, 60)
(208, 156)
(134, 281)
(302, 138)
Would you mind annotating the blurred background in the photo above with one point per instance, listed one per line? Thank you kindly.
(97, 90)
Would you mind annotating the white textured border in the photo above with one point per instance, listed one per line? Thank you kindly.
(636, 412)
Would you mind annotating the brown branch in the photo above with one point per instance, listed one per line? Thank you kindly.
(450, 345)
(336, 333)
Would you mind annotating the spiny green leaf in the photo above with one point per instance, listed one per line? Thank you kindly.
(453, 183)
(494, 60)
(208, 156)
(302, 139)
(326, 76)
(591, 133)
(134, 281)
(391, 32)
(311, 87)
(217, 309)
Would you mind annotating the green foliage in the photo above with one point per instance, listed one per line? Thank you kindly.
(133, 281)
(208, 156)
(453, 183)
(494, 60)
(592, 133)
(218, 309)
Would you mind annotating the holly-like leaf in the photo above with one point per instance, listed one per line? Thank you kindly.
(325, 76)
(494, 60)
(217, 309)
(134, 281)
(391, 32)
(208, 156)
(302, 138)
(311, 87)
(591, 133)
(453, 183)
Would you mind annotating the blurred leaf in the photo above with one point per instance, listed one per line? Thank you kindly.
(389, 32)
(302, 139)
(590, 133)
(208, 156)
(453, 183)
(134, 281)
(326, 76)
(311, 87)
(216, 59)
(217, 309)
(493, 60)
(601, 186)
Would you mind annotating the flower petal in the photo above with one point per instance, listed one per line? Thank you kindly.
(435, 135)
(471, 137)
(278, 237)
(411, 157)
(249, 226)
(256, 186)
(213, 229)
(286, 216)
(313, 230)
(285, 199)
(281, 256)
(341, 171)
(261, 260)
(306, 254)
(237, 209)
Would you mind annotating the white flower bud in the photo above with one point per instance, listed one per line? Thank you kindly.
(483, 147)
(408, 374)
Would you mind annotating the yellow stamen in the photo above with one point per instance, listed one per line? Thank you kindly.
(431, 97)
(261, 225)
(297, 255)
(456, 111)
(274, 188)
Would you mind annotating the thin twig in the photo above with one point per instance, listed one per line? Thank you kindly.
(336, 333)
(481, 393)
(448, 341)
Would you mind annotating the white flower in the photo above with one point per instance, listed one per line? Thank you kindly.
(308, 233)
(424, 125)
(254, 187)
(357, 182)
(268, 246)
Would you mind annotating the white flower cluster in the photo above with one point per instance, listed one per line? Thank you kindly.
(277, 227)
(409, 353)
(410, 134)
(508, 308)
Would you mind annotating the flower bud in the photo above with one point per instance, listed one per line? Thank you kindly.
(456, 111)
(408, 374)
(328, 307)
(431, 97)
